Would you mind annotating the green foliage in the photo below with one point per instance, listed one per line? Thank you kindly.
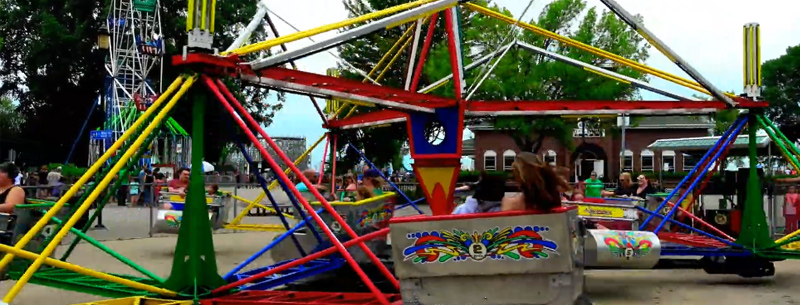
(380, 144)
(11, 120)
(781, 81)
(54, 69)
(523, 75)
(68, 170)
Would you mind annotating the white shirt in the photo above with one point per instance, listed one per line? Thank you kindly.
(18, 179)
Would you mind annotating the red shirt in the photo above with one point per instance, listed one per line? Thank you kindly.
(177, 184)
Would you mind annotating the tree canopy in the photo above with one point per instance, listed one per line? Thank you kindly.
(520, 74)
(781, 88)
(52, 67)
(524, 75)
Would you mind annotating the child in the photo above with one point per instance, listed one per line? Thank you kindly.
(134, 190)
(790, 201)
(363, 193)
(213, 190)
(489, 192)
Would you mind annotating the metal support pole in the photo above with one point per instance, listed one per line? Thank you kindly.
(664, 49)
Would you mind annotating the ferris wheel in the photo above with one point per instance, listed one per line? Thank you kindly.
(134, 70)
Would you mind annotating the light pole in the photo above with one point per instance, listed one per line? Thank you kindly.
(104, 42)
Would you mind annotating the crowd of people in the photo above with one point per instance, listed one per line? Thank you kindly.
(543, 187)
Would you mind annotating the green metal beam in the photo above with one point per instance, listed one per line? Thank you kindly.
(194, 266)
(754, 229)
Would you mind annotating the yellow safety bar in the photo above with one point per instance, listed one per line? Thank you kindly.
(590, 49)
(360, 202)
(88, 175)
(12, 293)
(272, 185)
(322, 29)
(87, 272)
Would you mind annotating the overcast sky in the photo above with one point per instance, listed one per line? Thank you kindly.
(706, 33)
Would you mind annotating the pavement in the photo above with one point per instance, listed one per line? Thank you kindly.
(128, 233)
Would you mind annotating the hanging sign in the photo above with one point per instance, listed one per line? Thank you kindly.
(101, 134)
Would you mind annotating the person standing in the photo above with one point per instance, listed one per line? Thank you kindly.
(593, 186)
(790, 201)
(123, 190)
(53, 178)
(41, 191)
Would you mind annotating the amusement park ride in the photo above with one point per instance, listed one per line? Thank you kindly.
(134, 64)
(491, 258)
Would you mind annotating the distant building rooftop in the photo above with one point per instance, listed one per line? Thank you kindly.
(650, 122)
(705, 143)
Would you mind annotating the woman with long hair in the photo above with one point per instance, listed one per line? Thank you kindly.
(540, 185)
(10, 195)
(349, 183)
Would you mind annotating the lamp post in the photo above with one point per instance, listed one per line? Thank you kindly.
(103, 37)
(104, 42)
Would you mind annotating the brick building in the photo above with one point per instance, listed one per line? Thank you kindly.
(596, 149)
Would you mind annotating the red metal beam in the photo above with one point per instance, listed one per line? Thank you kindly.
(316, 84)
(372, 118)
(495, 108)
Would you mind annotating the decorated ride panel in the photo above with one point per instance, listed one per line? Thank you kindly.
(622, 249)
(363, 216)
(489, 258)
(169, 216)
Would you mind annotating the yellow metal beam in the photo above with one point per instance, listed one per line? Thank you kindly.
(87, 272)
(89, 173)
(51, 247)
(322, 29)
(590, 49)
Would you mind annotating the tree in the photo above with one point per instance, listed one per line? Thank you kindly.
(380, 144)
(781, 81)
(522, 75)
(53, 68)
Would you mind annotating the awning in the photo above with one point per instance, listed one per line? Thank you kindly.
(705, 143)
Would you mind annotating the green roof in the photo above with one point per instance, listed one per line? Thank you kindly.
(704, 143)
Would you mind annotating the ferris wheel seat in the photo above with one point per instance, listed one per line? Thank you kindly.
(169, 216)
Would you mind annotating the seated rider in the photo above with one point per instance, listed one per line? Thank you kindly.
(488, 197)
(181, 184)
(10, 195)
(540, 185)
(626, 188)
(373, 182)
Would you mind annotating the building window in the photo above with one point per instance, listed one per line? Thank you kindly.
(689, 162)
(648, 160)
(508, 159)
(550, 157)
(668, 161)
(627, 161)
(490, 160)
